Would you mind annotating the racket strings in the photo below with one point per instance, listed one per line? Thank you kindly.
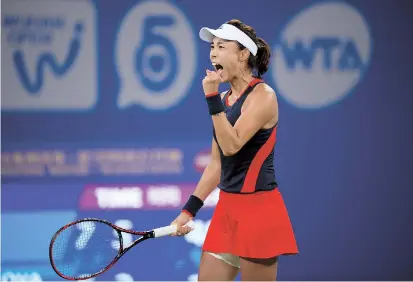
(84, 249)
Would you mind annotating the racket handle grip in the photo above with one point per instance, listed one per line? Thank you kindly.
(168, 230)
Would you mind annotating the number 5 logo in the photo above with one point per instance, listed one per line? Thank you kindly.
(155, 56)
(156, 59)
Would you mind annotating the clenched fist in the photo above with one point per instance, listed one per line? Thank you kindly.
(211, 81)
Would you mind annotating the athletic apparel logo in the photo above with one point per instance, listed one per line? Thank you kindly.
(321, 55)
(49, 54)
(155, 56)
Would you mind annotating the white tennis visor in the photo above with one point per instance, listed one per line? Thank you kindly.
(229, 32)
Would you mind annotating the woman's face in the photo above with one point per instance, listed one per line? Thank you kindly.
(226, 55)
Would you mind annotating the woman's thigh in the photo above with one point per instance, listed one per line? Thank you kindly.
(259, 269)
(212, 268)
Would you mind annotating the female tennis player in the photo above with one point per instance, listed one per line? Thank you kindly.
(250, 227)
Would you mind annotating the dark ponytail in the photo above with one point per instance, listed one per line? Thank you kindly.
(260, 61)
(263, 56)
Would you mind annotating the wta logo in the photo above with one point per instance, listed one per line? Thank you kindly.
(321, 55)
(155, 56)
(49, 53)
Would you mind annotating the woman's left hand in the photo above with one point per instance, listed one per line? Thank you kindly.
(211, 81)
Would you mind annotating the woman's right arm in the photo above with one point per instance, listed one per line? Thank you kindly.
(211, 175)
(208, 182)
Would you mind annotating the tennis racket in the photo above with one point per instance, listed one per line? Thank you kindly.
(89, 247)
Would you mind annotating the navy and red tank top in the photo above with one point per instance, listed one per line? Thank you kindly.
(251, 169)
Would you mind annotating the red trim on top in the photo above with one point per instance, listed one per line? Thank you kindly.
(211, 94)
(226, 98)
(188, 213)
(250, 181)
(252, 83)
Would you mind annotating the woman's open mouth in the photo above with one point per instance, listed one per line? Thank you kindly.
(218, 67)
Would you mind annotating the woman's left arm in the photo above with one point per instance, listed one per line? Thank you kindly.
(260, 107)
(259, 110)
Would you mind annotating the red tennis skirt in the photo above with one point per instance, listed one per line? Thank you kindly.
(251, 225)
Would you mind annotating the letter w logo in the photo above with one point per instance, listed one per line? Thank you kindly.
(45, 59)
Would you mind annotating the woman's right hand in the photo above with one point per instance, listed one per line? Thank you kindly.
(182, 219)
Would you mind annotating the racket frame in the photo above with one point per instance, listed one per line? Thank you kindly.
(145, 235)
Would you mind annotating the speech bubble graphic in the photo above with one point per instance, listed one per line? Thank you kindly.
(155, 56)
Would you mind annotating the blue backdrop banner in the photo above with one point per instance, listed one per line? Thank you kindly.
(103, 115)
